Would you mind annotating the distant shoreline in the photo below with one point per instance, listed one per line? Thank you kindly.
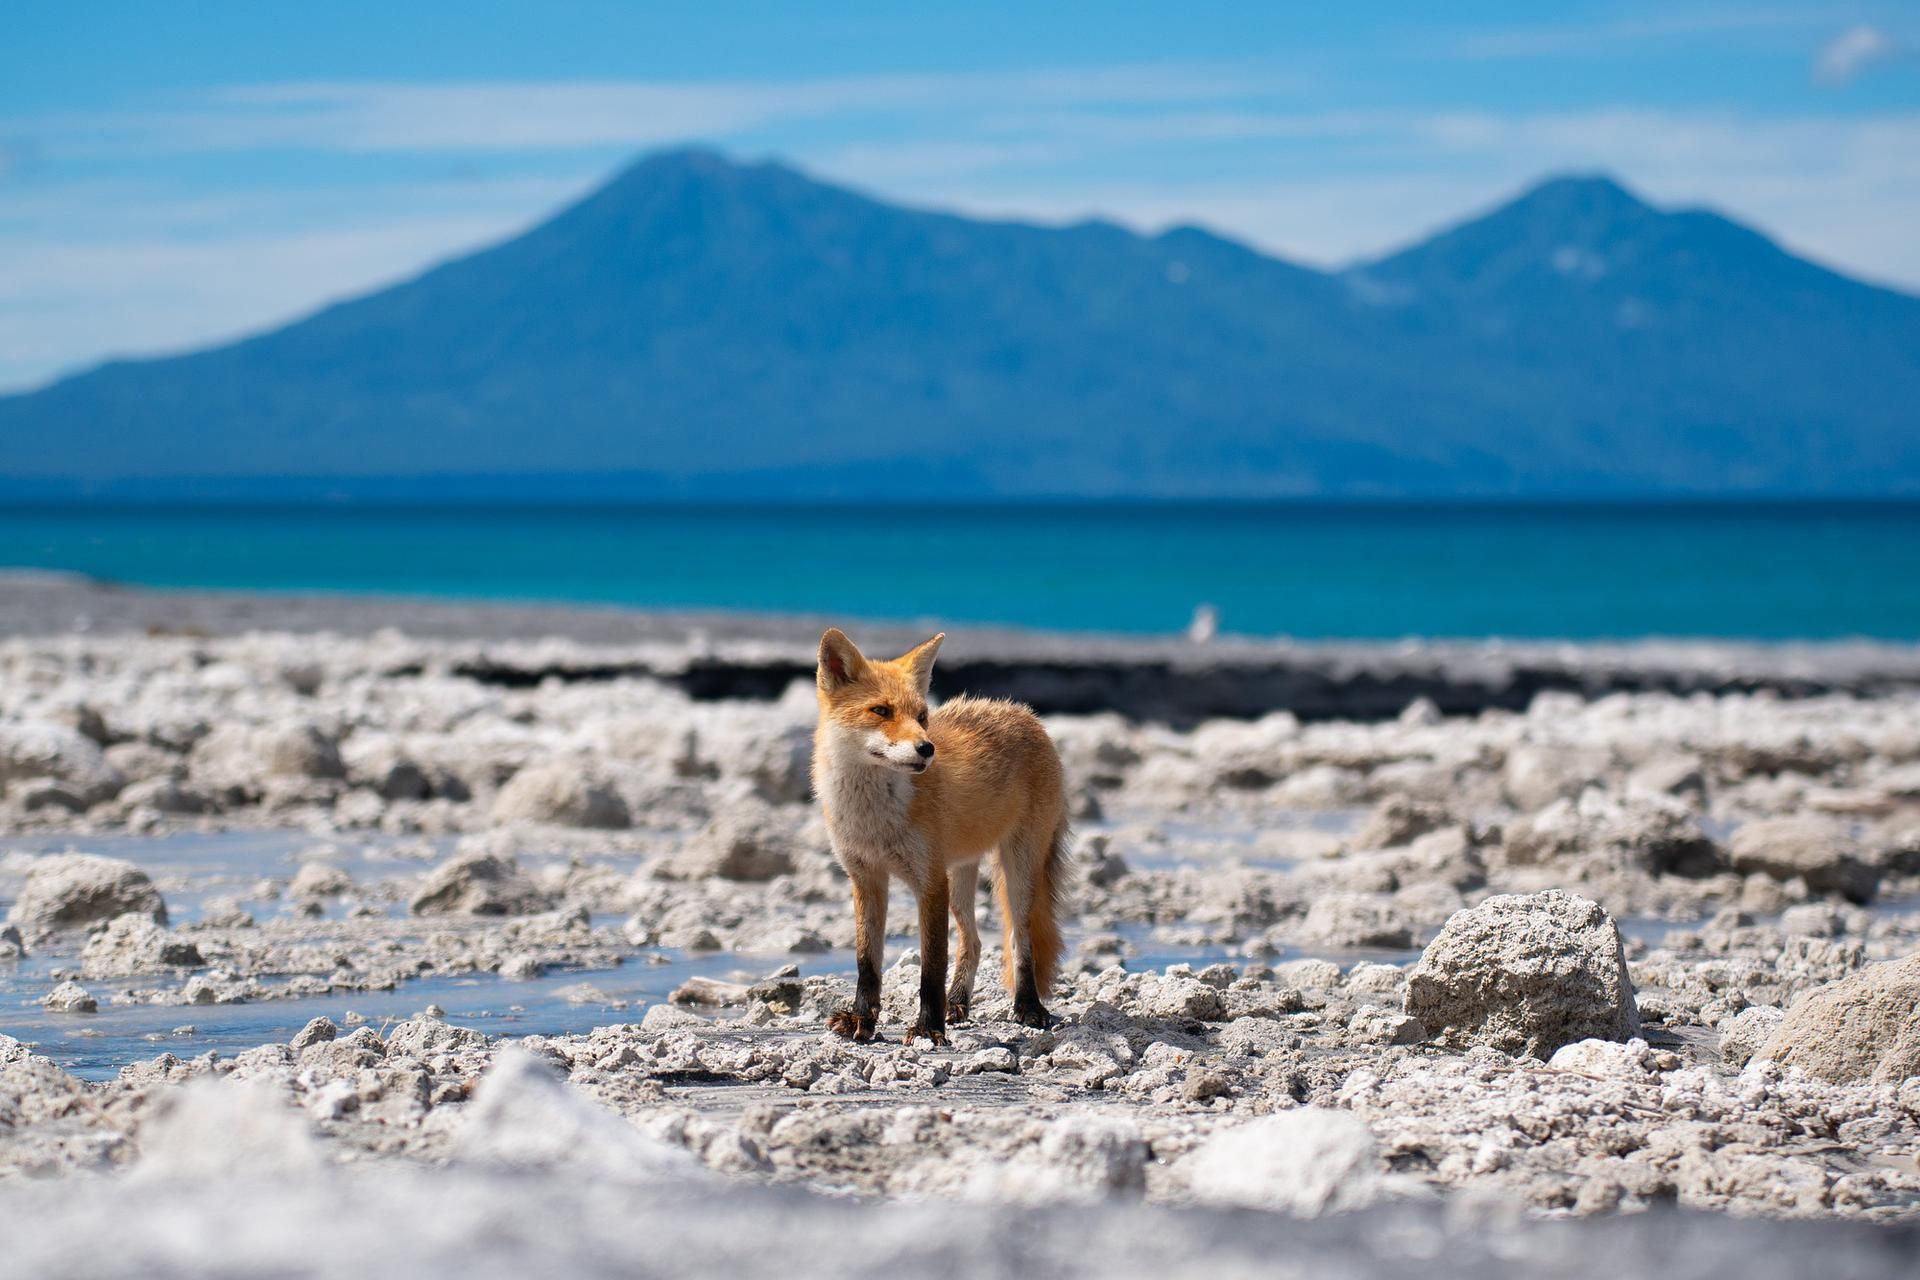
(715, 654)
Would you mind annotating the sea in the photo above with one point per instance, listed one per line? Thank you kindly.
(1321, 571)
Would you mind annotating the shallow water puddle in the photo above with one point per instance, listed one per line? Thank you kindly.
(563, 1002)
(251, 869)
(1652, 930)
(1272, 843)
(248, 869)
(1149, 947)
(193, 870)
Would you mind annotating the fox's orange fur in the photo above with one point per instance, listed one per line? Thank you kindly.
(921, 796)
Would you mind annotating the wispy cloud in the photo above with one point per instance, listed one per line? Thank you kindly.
(1629, 33)
(1857, 50)
(516, 116)
(116, 210)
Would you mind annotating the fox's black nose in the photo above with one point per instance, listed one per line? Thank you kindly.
(926, 750)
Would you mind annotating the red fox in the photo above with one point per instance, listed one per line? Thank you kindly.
(923, 797)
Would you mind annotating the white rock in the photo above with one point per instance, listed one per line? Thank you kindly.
(1180, 997)
(1356, 920)
(213, 1128)
(1398, 820)
(560, 794)
(1525, 973)
(522, 967)
(1632, 1060)
(239, 759)
(165, 795)
(1079, 1159)
(1817, 850)
(71, 889)
(319, 880)
(1309, 975)
(317, 1031)
(1373, 1025)
(41, 751)
(746, 842)
(1304, 1162)
(480, 884)
(525, 1118)
(425, 1037)
(1742, 1035)
(134, 944)
(70, 997)
(1539, 774)
(1863, 1027)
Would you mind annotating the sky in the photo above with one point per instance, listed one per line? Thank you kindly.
(172, 175)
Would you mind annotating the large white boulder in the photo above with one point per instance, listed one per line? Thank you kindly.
(1525, 974)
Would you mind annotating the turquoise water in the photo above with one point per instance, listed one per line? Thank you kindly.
(1311, 571)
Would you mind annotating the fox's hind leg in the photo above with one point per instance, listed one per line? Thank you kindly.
(1033, 940)
(963, 888)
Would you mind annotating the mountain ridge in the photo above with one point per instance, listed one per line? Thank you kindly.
(693, 319)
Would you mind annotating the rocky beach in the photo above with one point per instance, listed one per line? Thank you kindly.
(460, 922)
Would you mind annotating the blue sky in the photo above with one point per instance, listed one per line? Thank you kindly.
(175, 174)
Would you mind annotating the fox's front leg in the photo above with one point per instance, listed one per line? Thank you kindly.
(869, 945)
(963, 887)
(932, 1022)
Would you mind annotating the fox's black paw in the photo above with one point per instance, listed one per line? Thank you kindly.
(1033, 1015)
(858, 1027)
(936, 1034)
(957, 1010)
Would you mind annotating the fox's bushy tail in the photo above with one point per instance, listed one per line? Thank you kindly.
(1039, 932)
(1049, 901)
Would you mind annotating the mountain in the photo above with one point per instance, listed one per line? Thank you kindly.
(705, 329)
(1718, 359)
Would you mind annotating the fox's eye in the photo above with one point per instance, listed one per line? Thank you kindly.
(883, 711)
(922, 718)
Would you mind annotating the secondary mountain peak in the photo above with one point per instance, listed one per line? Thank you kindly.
(1569, 226)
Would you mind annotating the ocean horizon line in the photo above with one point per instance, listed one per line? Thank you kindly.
(320, 502)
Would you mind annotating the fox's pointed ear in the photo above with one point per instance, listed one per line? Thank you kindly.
(919, 661)
(841, 662)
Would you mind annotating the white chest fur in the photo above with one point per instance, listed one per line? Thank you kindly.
(868, 813)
